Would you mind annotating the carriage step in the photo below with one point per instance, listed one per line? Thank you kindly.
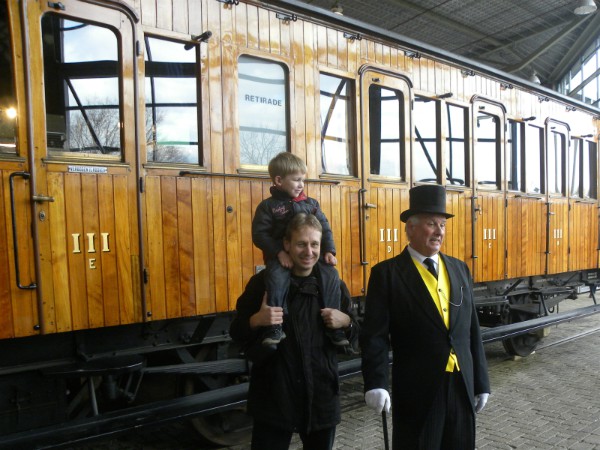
(231, 366)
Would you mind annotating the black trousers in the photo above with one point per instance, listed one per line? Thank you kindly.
(267, 437)
(450, 424)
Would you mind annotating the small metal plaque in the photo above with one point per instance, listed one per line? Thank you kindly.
(88, 169)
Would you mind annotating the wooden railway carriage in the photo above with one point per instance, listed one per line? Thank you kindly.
(134, 140)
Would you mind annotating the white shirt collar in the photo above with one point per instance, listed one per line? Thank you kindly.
(416, 255)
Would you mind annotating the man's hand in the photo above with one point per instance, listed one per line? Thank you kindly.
(480, 401)
(285, 260)
(334, 318)
(266, 315)
(330, 258)
(378, 399)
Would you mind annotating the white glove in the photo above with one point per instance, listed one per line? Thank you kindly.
(378, 399)
(480, 401)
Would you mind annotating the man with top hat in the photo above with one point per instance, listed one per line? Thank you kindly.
(421, 303)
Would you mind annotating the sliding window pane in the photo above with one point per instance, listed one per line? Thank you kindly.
(337, 125)
(556, 152)
(81, 80)
(425, 154)
(456, 145)
(487, 151)
(172, 115)
(386, 124)
(515, 153)
(533, 159)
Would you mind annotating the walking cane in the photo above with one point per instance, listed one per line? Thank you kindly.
(386, 441)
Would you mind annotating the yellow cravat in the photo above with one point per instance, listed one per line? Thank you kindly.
(440, 292)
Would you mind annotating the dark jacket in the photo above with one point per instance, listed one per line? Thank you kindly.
(273, 215)
(295, 388)
(400, 309)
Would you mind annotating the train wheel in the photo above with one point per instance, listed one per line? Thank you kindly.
(524, 344)
(228, 428)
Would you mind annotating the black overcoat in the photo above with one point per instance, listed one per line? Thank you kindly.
(297, 387)
(400, 310)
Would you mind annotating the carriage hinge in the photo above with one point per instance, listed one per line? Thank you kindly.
(56, 5)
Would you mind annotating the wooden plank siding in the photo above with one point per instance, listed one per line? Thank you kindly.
(558, 239)
(526, 234)
(583, 240)
(489, 237)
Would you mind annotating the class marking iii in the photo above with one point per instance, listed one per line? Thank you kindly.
(91, 245)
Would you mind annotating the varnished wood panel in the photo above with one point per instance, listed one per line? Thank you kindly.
(489, 237)
(204, 248)
(526, 234)
(76, 261)
(583, 241)
(558, 242)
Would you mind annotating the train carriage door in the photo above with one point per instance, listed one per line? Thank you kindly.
(488, 204)
(386, 136)
(583, 201)
(525, 207)
(84, 163)
(17, 278)
(557, 244)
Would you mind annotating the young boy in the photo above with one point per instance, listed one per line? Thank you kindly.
(268, 229)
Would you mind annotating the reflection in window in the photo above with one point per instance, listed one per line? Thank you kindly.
(456, 145)
(8, 103)
(425, 157)
(172, 121)
(515, 152)
(582, 165)
(337, 127)
(81, 77)
(386, 125)
(533, 159)
(263, 110)
(487, 151)
(556, 152)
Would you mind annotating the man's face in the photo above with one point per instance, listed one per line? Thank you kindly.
(292, 184)
(304, 248)
(426, 234)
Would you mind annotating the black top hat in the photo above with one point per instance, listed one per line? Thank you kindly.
(426, 199)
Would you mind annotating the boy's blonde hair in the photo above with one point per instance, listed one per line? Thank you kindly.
(284, 164)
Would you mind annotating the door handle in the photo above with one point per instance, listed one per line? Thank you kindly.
(42, 198)
(26, 176)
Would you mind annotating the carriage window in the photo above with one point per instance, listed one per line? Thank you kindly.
(263, 110)
(8, 103)
(456, 145)
(337, 125)
(556, 152)
(515, 151)
(81, 78)
(487, 150)
(533, 159)
(172, 120)
(582, 165)
(425, 155)
(386, 129)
